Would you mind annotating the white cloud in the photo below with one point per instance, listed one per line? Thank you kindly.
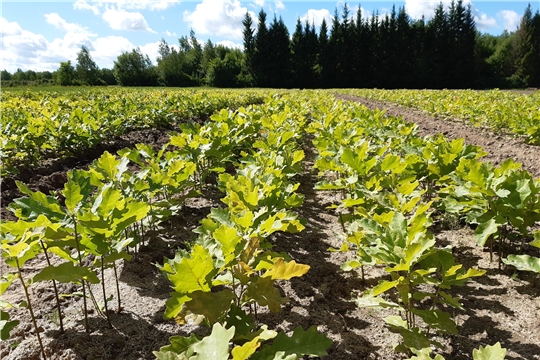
(152, 50)
(106, 50)
(260, 3)
(230, 44)
(510, 18)
(221, 18)
(418, 8)
(83, 5)
(168, 33)
(152, 5)
(20, 48)
(29, 51)
(279, 5)
(316, 17)
(58, 22)
(484, 22)
(119, 19)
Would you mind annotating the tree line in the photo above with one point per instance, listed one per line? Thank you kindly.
(389, 51)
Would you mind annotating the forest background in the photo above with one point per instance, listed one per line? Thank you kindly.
(390, 51)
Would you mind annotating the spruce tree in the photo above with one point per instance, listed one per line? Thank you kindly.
(323, 60)
(249, 44)
(262, 51)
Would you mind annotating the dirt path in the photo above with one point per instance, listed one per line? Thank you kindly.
(500, 147)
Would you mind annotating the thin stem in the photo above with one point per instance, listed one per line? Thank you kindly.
(30, 308)
(94, 301)
(86, 324)
(55, 288)
(103, 289)
(117, 288)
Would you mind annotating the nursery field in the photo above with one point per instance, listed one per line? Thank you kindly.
(269, 224)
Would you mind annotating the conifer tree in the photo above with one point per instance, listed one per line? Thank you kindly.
(249, 44)
(323, 60)
(262, 52)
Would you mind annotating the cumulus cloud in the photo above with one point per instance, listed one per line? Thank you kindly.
(279, 5)
(484, 22)
(119, 19)
(58, 22)
(83, 5)
(168, 33)
(316, 17)
(20, 48)
(221, 18)
(418, 8)
(29, 51)
(510, 19)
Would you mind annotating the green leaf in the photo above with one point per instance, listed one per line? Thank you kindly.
(370, 301)
(215, 346)
(5, 325)
(438, 319)
(66, 272)
(242, 321)
(7, 279)
(301, 343)
(490, 352)
(209, 304)
(169, 355)
(229, 239)
(72, 193)
(384, 286)
(180, 344)
(108, 163)
(174, 305)
(424, 354)
(264, 293)
(193, 273)
(21, 251)
(485, 230)
(524, 262)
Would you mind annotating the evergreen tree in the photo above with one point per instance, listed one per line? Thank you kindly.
(279, 60)
(437, 47)
(335, 52)
(528, 48)
(323, 60)
(406, 60)
(249, 45)
(298, 50)
(262, 52)
(461, 42)
(312, 49)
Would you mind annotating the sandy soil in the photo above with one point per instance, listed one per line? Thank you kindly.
(501, 306)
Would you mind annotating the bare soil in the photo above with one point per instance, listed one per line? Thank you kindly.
(501, 306)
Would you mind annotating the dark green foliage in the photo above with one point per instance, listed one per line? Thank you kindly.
(227, 72)
(135, 69)
(65, 74)
(86, 68)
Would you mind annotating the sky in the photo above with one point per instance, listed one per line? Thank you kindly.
(38, 35)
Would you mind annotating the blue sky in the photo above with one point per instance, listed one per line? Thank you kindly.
(38, 35)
